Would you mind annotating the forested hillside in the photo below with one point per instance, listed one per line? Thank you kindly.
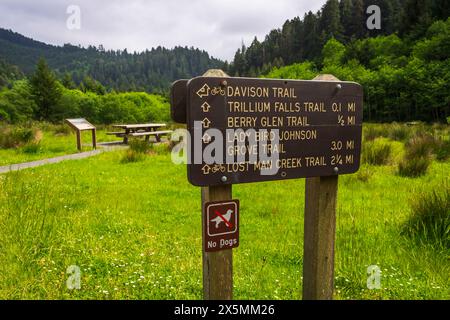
(8, 73)
(401, 82)
(151, 71)
(43, 97)
(303, 38)
(404, 67)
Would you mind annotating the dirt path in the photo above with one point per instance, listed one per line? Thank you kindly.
(38, 163)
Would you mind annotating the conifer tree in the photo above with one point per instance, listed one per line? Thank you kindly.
(45, 89)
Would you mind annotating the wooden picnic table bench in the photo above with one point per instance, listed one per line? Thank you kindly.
(147, 134)
(118, 133)
(140, 130)
(150, 133)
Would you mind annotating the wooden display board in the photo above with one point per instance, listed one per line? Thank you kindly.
(80, 125)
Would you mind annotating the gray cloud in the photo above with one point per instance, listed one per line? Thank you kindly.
(217, 26)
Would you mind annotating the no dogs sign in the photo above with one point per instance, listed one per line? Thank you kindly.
(221, 225)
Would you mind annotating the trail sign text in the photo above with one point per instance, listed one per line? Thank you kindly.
(263, 129)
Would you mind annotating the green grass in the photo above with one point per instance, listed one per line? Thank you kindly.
(135, 231)
(430, 221)
(377, 152)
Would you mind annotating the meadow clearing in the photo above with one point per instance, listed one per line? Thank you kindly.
(51, 141)
(133, 224)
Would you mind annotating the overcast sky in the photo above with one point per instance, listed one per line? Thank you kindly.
(212, 25)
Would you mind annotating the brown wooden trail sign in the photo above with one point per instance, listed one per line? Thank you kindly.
(318, 124)
(178, 101)
(317, 127)
(80, 125)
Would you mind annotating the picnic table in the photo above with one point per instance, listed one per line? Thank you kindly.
(140, 130)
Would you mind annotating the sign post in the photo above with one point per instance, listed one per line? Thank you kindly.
(217, 266)
(244, 130)
(319, 233)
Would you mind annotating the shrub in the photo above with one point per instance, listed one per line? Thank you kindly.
(32, 147)
(132, 156)
(376, 152)
(137, 151)
(430, 219)
(417, 156)
(399, 132)
(373, 131)
(442, 150)
(437, 137)
(425, 144)
(364, 174)
(139, 145)
(162, 148)
(4, 116)
(305, 71)
(61, 130)
(421, 145)
(18, 136)
(413, 167)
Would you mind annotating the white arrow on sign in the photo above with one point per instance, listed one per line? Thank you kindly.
(206, 138)
(206, 123)
(205, 107)
(204, 91)
(206, 169)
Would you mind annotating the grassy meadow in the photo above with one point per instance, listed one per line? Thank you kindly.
(133, 226)
(49, 141)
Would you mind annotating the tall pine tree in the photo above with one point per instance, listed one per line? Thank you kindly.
(46, 90)
(346, 7)
(358, 27)
(416, 17)
(330, 21)
(311, 30)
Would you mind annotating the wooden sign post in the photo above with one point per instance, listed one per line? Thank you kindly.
(265, 130)
(217, 266)
(319, 233)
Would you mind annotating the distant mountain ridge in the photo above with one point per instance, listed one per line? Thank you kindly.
(152, 70)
